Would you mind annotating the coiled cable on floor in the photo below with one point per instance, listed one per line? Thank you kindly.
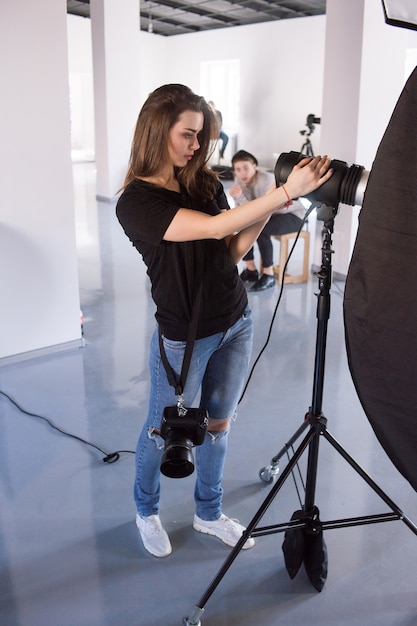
(109, 457)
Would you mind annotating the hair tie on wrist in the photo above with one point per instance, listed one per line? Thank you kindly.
(287, 204)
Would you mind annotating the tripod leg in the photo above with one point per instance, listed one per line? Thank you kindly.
(194, 620)
(370, 482)
(267, 473)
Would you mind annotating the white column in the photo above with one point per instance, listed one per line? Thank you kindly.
(38, 263)
(364, 74)
(115, 38)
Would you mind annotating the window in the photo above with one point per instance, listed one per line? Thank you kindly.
(220, 82)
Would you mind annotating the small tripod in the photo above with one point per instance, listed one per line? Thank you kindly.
(307, 147)
(316, 425)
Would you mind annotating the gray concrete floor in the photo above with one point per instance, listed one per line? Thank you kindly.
(70, 554)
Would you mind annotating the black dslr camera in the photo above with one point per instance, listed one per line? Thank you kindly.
(181, 429)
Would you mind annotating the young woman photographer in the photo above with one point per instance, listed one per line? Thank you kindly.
(174, 211)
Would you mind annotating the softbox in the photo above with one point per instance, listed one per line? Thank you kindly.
(401, 13)
(380, 302)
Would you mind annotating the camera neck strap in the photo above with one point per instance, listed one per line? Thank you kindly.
(179, 382)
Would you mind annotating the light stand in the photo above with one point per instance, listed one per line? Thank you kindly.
(307, 521)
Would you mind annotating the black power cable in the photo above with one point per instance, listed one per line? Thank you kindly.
(305, 218)
(109, 457)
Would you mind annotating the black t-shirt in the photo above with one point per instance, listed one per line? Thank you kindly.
(145, 212)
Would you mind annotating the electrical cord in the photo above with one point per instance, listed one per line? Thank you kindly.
(305, 218)
(110, 457)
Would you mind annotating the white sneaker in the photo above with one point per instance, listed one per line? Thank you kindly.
(226, 529)
(154, 536)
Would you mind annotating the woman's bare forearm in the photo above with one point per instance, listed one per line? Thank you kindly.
(243, 241)
(189, 225)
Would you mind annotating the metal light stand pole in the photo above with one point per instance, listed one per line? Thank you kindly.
(315, 422)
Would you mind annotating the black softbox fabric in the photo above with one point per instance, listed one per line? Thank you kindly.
(380, 303)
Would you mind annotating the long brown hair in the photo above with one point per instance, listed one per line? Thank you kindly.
(150, 146)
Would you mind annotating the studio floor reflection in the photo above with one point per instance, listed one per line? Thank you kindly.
(70, 554)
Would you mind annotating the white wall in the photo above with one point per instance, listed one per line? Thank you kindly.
(38, 263)
(364, 76)
(383, 75)
(281, 83)
(282, 76)
(114, 28)
(80, 67)
(155, 63)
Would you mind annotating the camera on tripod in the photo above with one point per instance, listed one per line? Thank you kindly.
(310, 123)
(307, 148)
(181, 428)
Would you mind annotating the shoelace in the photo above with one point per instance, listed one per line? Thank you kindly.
(154, 527)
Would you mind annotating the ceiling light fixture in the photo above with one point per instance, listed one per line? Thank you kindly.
(150, 23)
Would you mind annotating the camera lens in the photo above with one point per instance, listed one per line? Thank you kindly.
(177, 460)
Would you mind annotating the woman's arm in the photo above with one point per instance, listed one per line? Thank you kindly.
(189, 225)
(243, 241)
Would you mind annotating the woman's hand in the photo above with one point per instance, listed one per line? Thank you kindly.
(308, 175)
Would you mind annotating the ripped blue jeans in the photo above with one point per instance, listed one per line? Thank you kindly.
(218, 369)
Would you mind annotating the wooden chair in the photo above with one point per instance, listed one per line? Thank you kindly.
(283, 256)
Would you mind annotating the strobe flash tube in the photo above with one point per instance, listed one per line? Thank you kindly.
(346, 185)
